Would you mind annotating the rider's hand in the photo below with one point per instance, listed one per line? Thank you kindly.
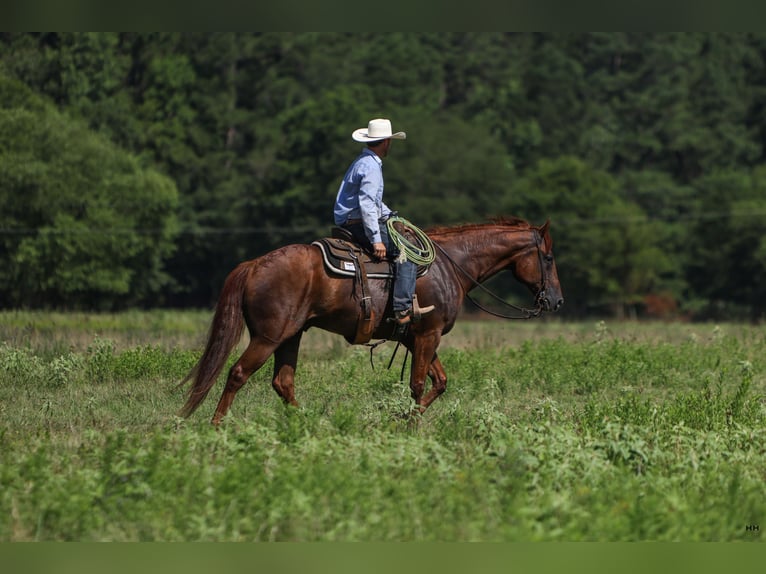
(380, 250)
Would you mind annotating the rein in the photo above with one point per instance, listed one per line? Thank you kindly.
(527, 313)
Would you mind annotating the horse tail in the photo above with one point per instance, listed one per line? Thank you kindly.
(224, 334)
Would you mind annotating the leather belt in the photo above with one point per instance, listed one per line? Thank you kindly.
(353, 221)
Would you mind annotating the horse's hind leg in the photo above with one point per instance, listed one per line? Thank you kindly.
(285, 361)
(256, 354)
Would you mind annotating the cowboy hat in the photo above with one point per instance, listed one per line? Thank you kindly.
(378, 129)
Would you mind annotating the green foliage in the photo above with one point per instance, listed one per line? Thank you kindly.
(728, 242)
(628, 432)
(93, 223)
(433, 184)
(607, 252)
(627, 131)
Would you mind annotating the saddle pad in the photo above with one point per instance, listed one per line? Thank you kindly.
(337, 256)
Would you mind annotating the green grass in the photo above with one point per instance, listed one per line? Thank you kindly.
(548, 431)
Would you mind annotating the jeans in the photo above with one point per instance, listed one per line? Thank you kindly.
(405, 273)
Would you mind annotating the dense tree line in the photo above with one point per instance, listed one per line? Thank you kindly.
(138, 169)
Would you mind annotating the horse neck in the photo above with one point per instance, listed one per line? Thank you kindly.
(484, 251)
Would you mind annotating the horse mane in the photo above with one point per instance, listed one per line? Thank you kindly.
(502, 221)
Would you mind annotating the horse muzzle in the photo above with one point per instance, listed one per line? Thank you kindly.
(549, 302)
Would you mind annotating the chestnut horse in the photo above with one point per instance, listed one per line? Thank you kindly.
(283, 293)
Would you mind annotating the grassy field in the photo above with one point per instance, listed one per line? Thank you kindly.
(548, 432)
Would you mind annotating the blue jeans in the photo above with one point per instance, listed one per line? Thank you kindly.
(405, 273)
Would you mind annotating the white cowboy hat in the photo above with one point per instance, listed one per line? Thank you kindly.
(378, 129)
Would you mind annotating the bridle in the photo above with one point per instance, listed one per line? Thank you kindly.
(526, 313)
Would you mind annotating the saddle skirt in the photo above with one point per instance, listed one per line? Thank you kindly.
(342, 256)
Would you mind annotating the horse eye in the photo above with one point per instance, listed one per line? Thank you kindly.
(549, 257)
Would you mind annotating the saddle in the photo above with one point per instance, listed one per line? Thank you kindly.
(342, 255)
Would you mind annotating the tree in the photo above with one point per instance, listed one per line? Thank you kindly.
(253, 130)
(727, 264)
(606, 250)
(295, 197)
(82, 222)
(446, 171)
(670, 102)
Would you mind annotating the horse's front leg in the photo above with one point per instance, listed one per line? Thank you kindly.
(438, 382)
(425, 363)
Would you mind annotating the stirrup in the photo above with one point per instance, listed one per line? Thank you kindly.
(413, 314)
(417, 310)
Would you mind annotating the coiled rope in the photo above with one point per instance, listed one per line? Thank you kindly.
(420, 253)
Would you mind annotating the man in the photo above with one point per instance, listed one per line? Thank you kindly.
(359, 208)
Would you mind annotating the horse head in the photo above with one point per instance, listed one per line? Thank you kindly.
(535, 267)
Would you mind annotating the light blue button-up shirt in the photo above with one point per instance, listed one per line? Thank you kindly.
(361, 194)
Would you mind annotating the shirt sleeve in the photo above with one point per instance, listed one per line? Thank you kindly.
(370, 192)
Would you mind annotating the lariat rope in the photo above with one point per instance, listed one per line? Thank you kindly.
(421, 253)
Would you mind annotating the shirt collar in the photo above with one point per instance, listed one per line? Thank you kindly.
(368, 151)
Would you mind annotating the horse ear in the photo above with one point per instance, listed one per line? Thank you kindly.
(544, 234)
